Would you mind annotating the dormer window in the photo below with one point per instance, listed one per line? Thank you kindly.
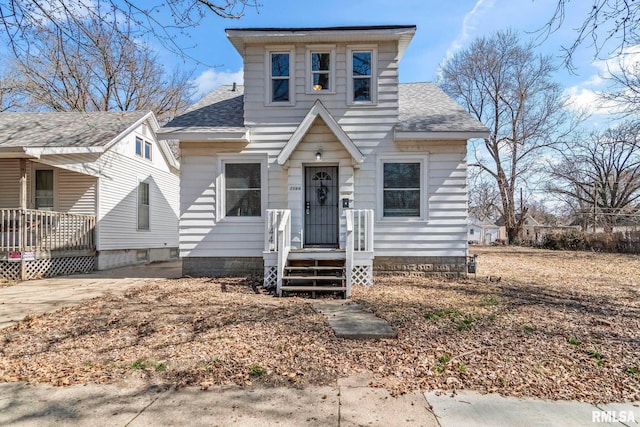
(362, 72)
(320, 66)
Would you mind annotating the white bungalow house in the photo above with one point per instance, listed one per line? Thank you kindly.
(482, 232)
(322, 169)
(82, 191)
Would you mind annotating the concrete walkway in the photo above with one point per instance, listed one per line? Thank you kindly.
(350, 403)
(36, 297)
(349, 320)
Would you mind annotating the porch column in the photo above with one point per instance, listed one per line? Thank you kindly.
(23, 183)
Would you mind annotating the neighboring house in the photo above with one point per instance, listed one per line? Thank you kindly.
(481, 232)
(322, 161)
(84, 190)
(527, 233)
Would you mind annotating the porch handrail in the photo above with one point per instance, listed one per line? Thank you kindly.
(31, 230)
(284, 246)
(359, 230)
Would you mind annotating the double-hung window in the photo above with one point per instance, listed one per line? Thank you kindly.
(401, 189)
(143, 206)
(320, 66)
(280, 77)
(362, 76)
(243, 189)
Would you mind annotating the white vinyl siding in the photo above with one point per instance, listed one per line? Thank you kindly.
(441, 230)
(76, 193)
(118, 192)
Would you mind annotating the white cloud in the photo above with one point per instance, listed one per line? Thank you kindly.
(211, 78)
(587, 94)
(469, 23)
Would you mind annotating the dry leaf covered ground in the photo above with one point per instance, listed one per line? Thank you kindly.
(560, 325)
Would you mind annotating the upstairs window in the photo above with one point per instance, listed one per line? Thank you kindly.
(362, 76)
(143, 148)
(280, 77)
(320, 66)
(362, 84)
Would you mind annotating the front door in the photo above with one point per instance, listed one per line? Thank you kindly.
(321, 206)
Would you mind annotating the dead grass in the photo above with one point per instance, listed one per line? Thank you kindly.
(558, 325)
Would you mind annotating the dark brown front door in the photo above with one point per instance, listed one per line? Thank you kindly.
(321, 206)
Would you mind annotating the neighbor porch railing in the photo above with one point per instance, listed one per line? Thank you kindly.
(28, 230)
(359, 229)
(278, 239)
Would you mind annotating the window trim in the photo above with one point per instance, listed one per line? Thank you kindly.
(221, 188)
(144, 143)
(374, 73)
(290, 50)
(402, 158)
(54, 171)
(331, 50)
(140, 182)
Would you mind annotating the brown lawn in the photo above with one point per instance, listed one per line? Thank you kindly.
(560, 325)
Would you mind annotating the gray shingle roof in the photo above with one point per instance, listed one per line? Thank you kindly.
(61, 129)
(424, 107)
(222, 109)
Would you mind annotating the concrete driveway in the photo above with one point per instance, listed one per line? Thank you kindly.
(34, 297)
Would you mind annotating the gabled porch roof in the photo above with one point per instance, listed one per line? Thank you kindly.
(319, 110)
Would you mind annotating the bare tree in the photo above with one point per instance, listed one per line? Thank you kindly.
(99, 69)
(625, 84)
(609, 26)
(22, 20)
(484, 197)
(9, 94)
(509, 88)
(599, 176)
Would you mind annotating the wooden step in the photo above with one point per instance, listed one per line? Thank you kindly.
(318, 278)
(313, 268)
(314, 288)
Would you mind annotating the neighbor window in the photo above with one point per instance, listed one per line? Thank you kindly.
(143, 148)
(44, 190)
(143, 206)
(362, 76)
(243, 191)
(320, 67)
(401, 189)
(280, 76)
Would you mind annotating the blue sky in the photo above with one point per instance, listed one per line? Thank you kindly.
(443, 28)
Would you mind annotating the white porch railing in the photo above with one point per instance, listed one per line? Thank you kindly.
(278, 239)
(359, 229)
(34, 230)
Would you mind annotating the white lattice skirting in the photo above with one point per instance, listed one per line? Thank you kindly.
(362, 275)
(270, 277)
(49, 267)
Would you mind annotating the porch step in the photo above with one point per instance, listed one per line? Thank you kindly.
(312, 274)
(312, 278)
(313, 268)
(314, 288)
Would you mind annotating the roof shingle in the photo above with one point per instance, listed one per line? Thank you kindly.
(424, 107)
(61, 129)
